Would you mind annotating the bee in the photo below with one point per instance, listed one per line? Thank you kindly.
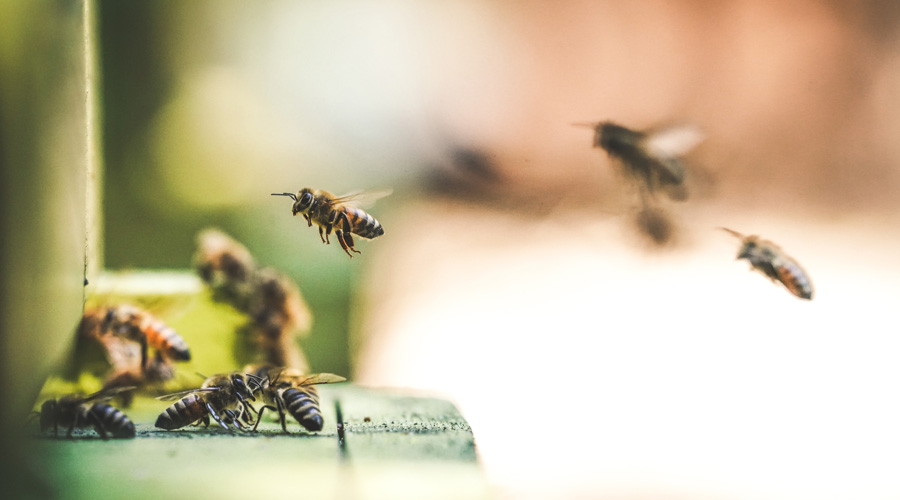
(652, 157)
(79, 411)
(140, 326)
(331, 212)
(287, 390)
(226, 266)
(225, 397)
(771, 260)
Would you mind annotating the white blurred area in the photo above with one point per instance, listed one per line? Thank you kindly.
(589, 365)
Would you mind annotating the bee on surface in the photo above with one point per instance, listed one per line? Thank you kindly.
(331, 212)
(771, 260)
(224, 397)
(286, 390)
(653, 157)
(78, 411)
(136, 324)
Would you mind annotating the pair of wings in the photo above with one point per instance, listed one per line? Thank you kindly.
(361, 199)
(295, 380)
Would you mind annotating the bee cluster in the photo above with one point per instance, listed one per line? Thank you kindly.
(277, 312)
(652, 159)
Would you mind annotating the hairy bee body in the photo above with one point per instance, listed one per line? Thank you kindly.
(224, 397)
(652, 157)
(139, 325)
(75, 411)
(287, 390)
(772, 261)
(331, 213)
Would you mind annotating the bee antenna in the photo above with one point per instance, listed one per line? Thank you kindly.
(292, 195)
(585, 124)
(731, 232)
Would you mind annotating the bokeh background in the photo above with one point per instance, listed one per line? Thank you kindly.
(514, 278)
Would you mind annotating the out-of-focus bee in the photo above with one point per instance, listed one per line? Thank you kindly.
(331, 212)
(79, 411)
(653, 157)
(277, 311)
(226, 266)
(771, 260)
(287, 390)
(140, 326)
(225, 397)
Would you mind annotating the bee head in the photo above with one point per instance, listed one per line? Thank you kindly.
(48, 414)
(612, 138)
(241, 386)
(302, 200)
(748, 249)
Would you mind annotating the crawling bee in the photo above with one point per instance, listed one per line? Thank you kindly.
(287, 390)
(331, 212)
(224, 396)
(76, 410)
(653, 157)
(140, 326)
(771, 260)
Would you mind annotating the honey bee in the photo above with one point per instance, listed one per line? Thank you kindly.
(287, 390)
(276, 309)
(225, 397)
(140, 326)
(79, 411)
(331, 212)
(652, 157)
(771, 260)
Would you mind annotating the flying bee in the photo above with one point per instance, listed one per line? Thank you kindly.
(140, 326)
(79, 411)
(771, 260)
(331, 212)
(224, 397)
(653, 157)
(287, 390)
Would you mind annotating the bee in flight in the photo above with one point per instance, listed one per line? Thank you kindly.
(652, 157)
(136, 324)
(771, 260)
(224, 397)
(78, 411)
(331, 212)
(287, 390)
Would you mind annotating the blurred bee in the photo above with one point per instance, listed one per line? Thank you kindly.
(140, 326)
(771, 260)
(224, 397)
(331, 212)
(272, 301)
(226, 266)
(79, 411)
(287, 390)
(652, 157)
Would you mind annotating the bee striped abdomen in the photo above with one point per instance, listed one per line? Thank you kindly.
(794, 278)
(112, 420)
(304, 406)
(363, 224)
(184, 412)
(167, 340)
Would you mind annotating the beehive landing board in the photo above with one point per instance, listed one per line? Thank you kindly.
(395, 446)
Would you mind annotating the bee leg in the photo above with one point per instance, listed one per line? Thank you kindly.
(308, 220)
(260, 414)
(98, 426)
(217, 418)
(281, 413)
(340, 237)
(328, 228)
(346, 234)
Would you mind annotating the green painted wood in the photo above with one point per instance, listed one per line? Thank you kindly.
(395, 446)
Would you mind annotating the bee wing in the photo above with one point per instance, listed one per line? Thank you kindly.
(107, 393)
(672, 142)
(320, 378)
(363, 199)
(181, 394)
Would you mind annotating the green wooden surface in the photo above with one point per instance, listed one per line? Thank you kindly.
(395, 446)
